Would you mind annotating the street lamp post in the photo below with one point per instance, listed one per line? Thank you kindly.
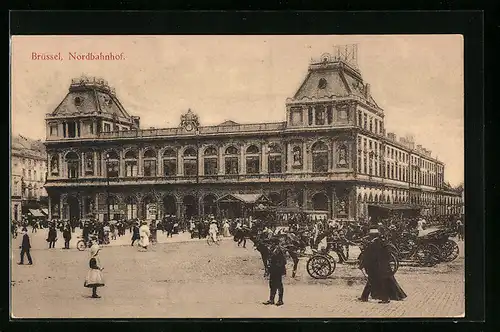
(107, 188)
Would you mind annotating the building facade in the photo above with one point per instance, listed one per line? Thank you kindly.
(28, 174)
(331, 154)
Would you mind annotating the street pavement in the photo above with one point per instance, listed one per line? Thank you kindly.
(185, 278)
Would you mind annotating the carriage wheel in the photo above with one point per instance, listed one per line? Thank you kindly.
(333, 263)
(209, 240)
(319, 267)
(394, 263)
(428, 255)
(80, 245)
(449, 251)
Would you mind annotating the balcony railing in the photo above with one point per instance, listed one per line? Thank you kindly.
(259, 127)
(220, 178)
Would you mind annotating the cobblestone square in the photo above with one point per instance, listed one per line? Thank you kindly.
(184, 278)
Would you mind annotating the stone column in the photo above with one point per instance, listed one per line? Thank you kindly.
(331, 151)
(140, 164)
(264, 159)
(200, 161)
(243, 169)
(305, 164)
(121, 162)
(96, 164)
(220, 164)
(82, 165)
(289, 159)
(61, 167)
(159, 164)
(180, 164)
(313, 115)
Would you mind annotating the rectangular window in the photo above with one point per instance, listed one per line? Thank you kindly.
(274, 164)
(364, 143)
(370, 145)
(320, 115)
(113, 168)
(329, 114)
(310, 115)
(381, 127)
(71, 129)
(296, 116)
(131, 168)
(376, 126)
(53, 130)
(252, 165)
(169, 167)
(210, 166)
(365, 121)
(190, 167)
(360, 119)
(232, 167)
(107, 127)
(371, 124)
(149, 167)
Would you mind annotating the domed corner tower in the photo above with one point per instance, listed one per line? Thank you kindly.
(89, 109)
(331, 92)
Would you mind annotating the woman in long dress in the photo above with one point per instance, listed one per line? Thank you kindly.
(94, 277)
(144, 234)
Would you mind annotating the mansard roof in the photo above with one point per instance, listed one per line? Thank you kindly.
(90, 96)
(330, 79)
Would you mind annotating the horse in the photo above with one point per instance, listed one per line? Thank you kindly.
(288, 241)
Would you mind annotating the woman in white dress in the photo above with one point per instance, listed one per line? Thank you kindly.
(144, 234)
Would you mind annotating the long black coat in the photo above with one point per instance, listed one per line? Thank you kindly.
(375, 260)
(52, 234)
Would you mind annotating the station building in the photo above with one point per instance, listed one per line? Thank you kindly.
(331, 154)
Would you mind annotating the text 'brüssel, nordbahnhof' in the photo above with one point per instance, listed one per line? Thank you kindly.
(332, 155)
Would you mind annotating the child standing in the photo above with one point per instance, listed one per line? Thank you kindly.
(94, 276)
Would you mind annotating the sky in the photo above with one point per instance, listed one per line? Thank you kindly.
(417, 80)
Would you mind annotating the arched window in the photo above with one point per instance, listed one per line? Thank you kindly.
(169, 162)
(131, 163)
(190, 165)
(210, 161)
(112, 161)
(73, 165)
(149, 163)
(54, 165)
(274, 158)
(231, 160)
(253, 160)
(319, 157)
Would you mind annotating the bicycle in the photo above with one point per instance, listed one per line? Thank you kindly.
(211, 241)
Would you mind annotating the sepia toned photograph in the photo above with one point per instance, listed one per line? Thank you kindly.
(225, 176)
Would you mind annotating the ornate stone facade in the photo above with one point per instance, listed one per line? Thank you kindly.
(331, 155)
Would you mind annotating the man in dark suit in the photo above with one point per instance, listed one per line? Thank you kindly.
(25, 247)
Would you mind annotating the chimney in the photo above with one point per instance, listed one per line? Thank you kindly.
(367, 90)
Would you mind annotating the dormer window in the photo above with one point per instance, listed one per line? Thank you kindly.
(78, 101)
(322, 83)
